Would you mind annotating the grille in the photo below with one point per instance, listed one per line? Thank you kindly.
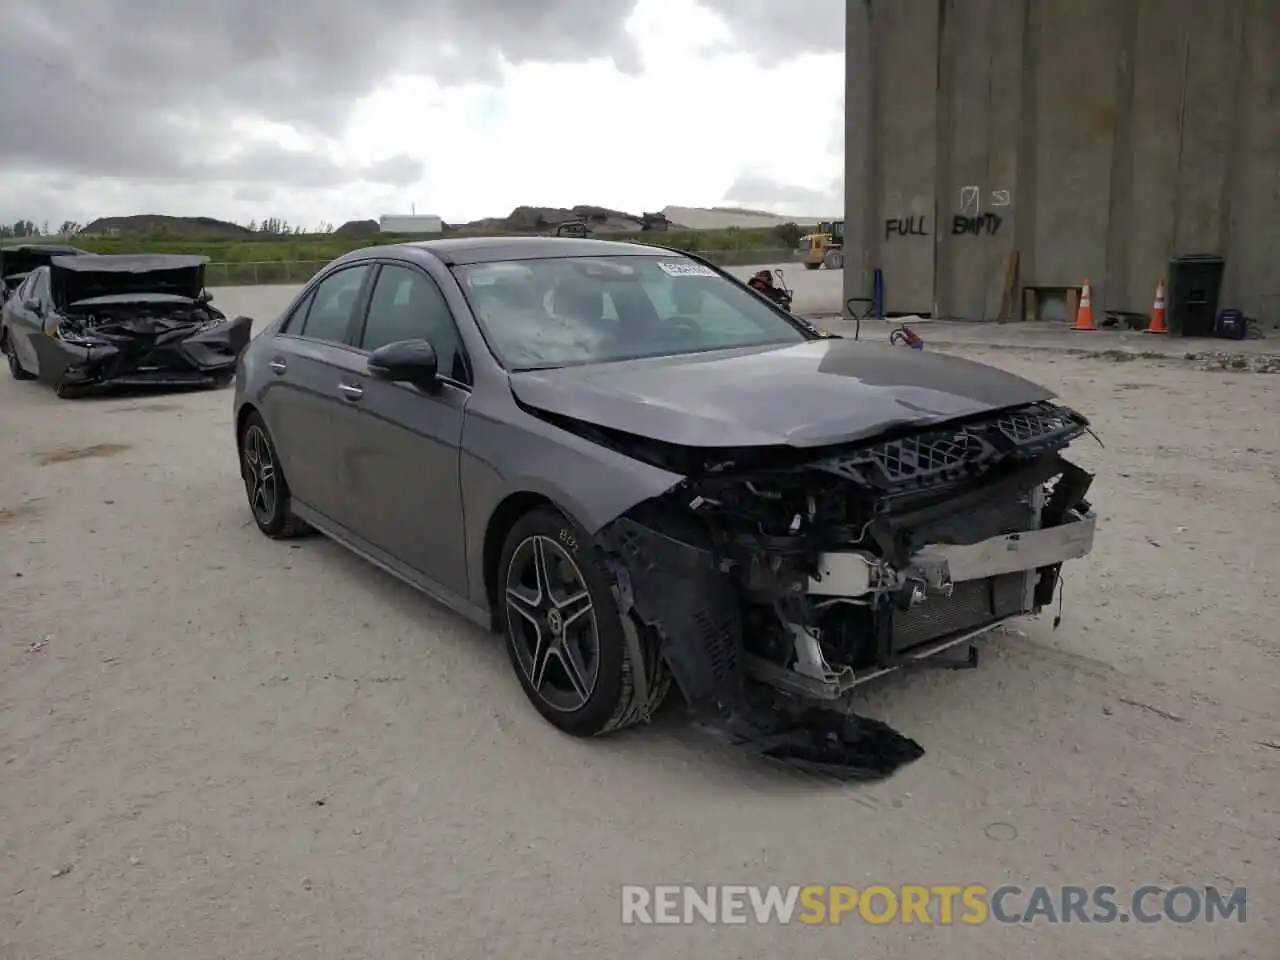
(720, 639)
(1033, 424)
(972, 603)
(924, 458)
(938, 456)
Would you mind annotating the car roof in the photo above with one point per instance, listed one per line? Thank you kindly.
(58, 249)
(457, 251)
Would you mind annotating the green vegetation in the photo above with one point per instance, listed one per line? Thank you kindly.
(293, 258)
(325, 247)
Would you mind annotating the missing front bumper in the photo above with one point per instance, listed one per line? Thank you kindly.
(855, 573)
(948, 594)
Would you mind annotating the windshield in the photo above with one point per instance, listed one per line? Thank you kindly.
(537, 314)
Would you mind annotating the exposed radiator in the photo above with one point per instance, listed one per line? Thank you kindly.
(973, 603)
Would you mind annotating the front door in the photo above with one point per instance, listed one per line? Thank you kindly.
(27, 322)
(398, 445)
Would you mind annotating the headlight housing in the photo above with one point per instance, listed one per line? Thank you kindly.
(74, 339)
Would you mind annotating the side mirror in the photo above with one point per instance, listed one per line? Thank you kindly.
(405, 361)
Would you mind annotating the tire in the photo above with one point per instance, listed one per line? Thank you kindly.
(66, 391)
(833, 260)
(221, 383)
(607, 697)
(812, 265)
(269, 497)
(16, 369)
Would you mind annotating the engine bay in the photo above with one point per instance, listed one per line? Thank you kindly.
(132, 320)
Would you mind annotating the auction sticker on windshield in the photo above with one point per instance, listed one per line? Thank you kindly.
(686, 269)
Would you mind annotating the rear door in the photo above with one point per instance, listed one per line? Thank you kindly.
(302, 399)
(399, 445)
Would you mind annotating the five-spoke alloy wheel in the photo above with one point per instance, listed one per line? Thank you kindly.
(583, 667)
(553, 623)
(264, 482)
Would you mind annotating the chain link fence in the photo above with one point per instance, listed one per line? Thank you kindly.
(244, 274)
(251, 273)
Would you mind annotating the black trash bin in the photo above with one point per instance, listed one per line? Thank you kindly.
(1194, 284)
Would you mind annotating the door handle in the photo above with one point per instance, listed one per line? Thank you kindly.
(352, 391)
(277, 366)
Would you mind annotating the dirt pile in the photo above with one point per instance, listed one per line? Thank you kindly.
(357, 228)
(151, 225)
(545, 219)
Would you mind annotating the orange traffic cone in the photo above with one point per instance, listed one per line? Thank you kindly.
(1084, 313)
(1157, 312)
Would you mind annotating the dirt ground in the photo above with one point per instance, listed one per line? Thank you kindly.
(214, 746)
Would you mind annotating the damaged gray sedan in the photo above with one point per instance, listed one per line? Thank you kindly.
(87, 321)
(641, 471)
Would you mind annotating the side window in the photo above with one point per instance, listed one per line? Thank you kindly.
(331, 306)
(407, 305)
(295, 320)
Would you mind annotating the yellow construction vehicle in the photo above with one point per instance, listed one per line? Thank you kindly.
(824, 248)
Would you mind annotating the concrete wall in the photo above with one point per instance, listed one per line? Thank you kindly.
(1097, 138)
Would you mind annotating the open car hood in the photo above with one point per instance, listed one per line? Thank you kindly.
(84, 277)
(812, 394)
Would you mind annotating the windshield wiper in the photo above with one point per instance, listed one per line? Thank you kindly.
(535, 367)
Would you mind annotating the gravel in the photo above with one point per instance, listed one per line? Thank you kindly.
(215, 745)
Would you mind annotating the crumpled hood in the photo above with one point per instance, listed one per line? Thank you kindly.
(79, 278)
(808, 395)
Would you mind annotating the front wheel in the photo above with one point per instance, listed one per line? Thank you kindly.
(585, 670)
(16, 370)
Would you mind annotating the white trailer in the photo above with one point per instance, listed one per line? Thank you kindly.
(410, 223)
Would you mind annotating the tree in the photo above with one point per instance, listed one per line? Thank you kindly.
(276, 226)
(19, 228)
(69, 228)
(788, 234)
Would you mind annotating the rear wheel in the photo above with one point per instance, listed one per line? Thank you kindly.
(582, 667)
(16, 369)
(265, 483)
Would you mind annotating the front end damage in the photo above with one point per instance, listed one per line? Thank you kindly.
(779, 583)
(141, 344)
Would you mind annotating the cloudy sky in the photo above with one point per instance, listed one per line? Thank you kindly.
(327, 110)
